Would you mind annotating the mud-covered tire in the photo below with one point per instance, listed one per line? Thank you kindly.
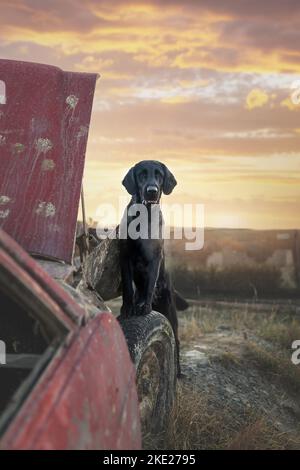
(151, 344)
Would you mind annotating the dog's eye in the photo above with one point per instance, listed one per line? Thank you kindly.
(143, 175)
(158, 175)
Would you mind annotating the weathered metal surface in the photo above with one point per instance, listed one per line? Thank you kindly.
(86, 398)
(25, 268)
(19, 266)
(88, 299)
(44, 122)
(57, 270)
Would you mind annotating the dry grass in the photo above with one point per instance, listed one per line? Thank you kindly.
(197, 322)
(228, 359)
(281, 333)
(276, 366)
(281, 329)
(194, 424)
(190, 329)
(261, 435)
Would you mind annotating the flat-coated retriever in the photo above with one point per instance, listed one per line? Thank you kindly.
(146, 284)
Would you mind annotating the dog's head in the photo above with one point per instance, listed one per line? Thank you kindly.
(148, 179)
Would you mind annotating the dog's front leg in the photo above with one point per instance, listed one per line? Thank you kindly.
(127, 308)
(143, 307)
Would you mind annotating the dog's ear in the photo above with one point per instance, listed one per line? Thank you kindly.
(169, 181)
(129, 181)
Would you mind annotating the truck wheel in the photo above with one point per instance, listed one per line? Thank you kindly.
(151, 344)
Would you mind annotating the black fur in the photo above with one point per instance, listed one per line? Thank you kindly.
(146, 284)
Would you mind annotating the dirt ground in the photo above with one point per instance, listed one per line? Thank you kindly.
(240, 389)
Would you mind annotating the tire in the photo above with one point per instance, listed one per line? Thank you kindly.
(151, 344)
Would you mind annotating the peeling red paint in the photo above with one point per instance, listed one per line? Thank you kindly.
(46, 115)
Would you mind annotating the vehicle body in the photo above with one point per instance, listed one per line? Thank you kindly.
(80, 393)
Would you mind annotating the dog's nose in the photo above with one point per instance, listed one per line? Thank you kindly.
(153, 190)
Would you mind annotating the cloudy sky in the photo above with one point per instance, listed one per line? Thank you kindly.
(206, 86)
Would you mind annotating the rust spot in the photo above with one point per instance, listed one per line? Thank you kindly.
(4, 200)
(54, 227)
(4, 214)
(18, 148)
(46, 209)
(72, 101)
(48, 164)
(43, 145)
(83, 131)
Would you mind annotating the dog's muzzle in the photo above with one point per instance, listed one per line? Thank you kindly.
(151, 194)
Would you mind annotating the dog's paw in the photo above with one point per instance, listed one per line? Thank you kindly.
(126, 311)
(142, 309)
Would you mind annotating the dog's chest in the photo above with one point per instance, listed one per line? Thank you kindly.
(145, 251)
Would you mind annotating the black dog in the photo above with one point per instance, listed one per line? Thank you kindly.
(145, 283)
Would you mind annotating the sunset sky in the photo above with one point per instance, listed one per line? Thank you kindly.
(203, 86)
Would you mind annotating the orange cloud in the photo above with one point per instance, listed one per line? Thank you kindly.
(173, 37)
(177, 84)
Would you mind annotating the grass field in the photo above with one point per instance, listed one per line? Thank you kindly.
(240, 389)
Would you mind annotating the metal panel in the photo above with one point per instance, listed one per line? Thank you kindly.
(44, 121)
(87, 398)
(28, 272)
